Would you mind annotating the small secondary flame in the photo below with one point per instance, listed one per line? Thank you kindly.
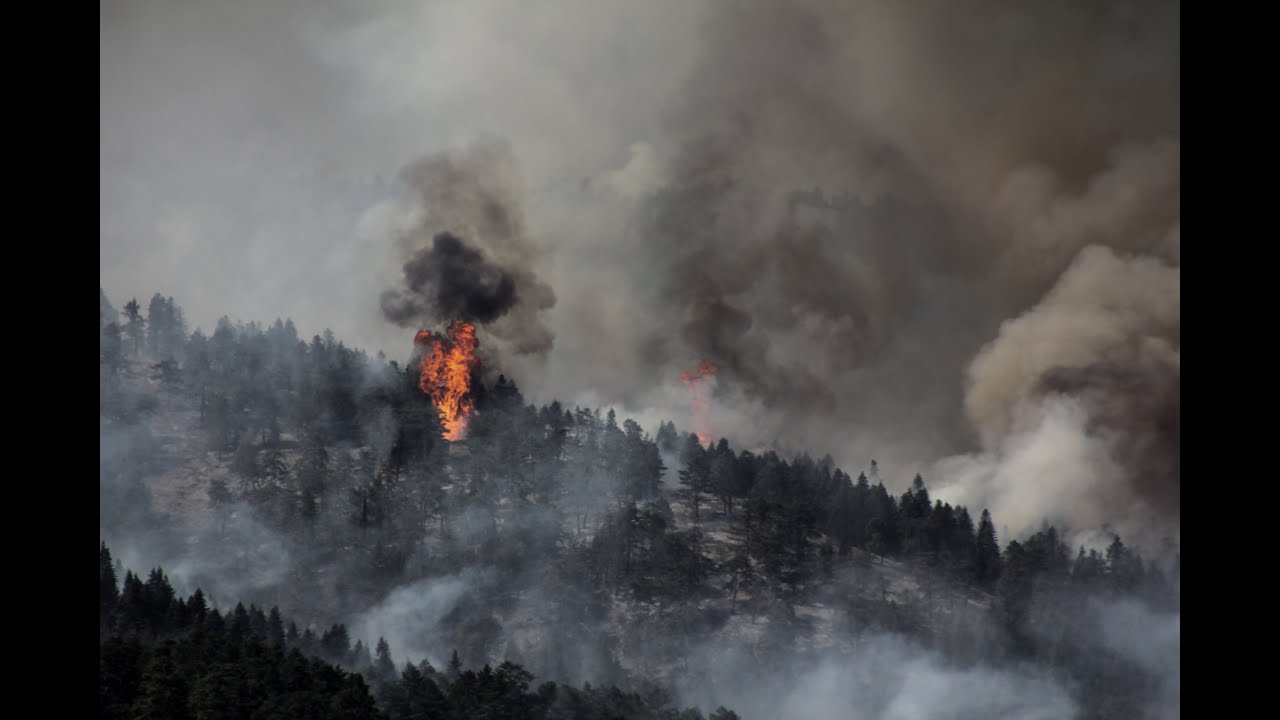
(700, 383)
(446, 374)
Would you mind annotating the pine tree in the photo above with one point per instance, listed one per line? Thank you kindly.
(238, 623)
(275, 628)
(335, 644)
(352, 700)
(163, 690)
(384, 668)
(840, 519)
(963, 544)
(111, 348)
(1014, 588)
(157, 325)
(197, 608)
(358, 659)
(257, 624)
(695, 474)
(108, 590)
(666, 438)
(987, 562)
(135, 326)
(1124, 568)
(422, 698)
(723, 476)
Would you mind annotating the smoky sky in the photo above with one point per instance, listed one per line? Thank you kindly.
(942, 235)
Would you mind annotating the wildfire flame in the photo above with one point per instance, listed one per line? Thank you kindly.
(700, 383)
(446, 374)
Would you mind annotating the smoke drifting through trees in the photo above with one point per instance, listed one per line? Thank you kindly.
(271, 470)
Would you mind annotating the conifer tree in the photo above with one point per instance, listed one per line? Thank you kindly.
(135, 326)
(694, 474)
(987, 562)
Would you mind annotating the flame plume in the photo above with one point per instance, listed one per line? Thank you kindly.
(446, 374)
(700, 383)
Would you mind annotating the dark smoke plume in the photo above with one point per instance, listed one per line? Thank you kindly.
(486, 278)
(450, 281)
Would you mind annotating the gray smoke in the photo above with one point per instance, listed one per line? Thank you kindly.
(887, 677)
(1150, 638)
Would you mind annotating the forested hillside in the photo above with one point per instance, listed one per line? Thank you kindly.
(557, 543)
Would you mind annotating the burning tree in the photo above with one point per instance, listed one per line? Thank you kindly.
(701, 382)
(447, 366)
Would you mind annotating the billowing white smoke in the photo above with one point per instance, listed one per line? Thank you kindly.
(1055, 399)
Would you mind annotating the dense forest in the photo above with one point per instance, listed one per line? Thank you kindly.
(165, 656)
(552, 542)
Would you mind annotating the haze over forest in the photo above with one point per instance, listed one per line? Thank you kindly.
(917, 263)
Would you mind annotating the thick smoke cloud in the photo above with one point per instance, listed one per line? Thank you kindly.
(473, 194)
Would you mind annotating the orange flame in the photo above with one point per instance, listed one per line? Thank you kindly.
(446, 374)
(697, 381)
